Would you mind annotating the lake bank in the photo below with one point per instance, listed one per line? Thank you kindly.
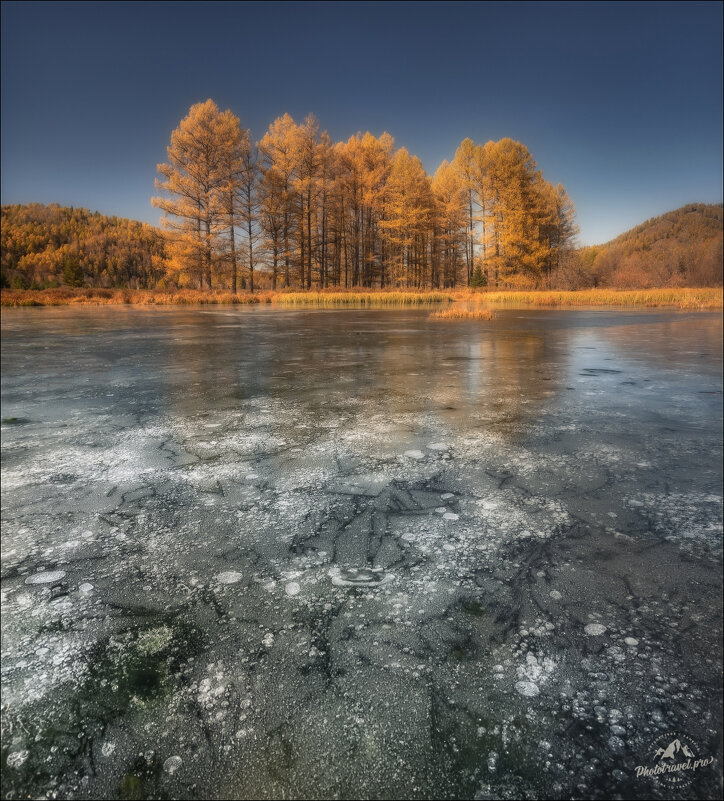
(682, 298)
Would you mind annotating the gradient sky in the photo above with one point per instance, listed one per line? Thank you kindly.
(620, 102)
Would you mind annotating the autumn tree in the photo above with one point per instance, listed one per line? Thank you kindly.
(234, 163)
(467, 164)
(248, 185)
(325, 194)
(364, 164)
(482, 158)
(559, 228)
(515, 211)
(351, 168)
(377, 155)
(308, 159)
(451, 194)
(279, 163)
(271, 200)
(408, 224)
(193, 181)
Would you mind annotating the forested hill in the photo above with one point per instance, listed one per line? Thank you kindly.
(679, 248)
(44, 246)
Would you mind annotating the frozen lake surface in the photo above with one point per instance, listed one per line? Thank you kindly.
(336, 554)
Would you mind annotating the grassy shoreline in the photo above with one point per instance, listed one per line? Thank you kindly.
(688, 298)
(682, 298)
(376, 297)
(189, 297)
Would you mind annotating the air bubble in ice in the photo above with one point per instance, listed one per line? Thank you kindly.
(228, 577)
(172, 764)
(415, 454)
(16, 758)
(45, 577)
(595, 629)
(357, 576)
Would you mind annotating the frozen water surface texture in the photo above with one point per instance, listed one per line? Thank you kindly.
(260, 553)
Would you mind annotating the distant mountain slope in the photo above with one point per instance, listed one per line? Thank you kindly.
(49, 245)
(679, 248)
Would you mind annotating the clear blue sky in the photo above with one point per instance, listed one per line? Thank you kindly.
(620, 102)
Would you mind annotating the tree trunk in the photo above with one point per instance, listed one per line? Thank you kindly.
(251, 256)
(323, 245)
(274, 267)
(309, 238)
(471, 238)
(208, 252)
(286, 249)
(233, 254)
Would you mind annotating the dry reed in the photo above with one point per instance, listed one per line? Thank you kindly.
(463, 314)
(378, 298)
(688, 298)
(682, 298)
(135, 297)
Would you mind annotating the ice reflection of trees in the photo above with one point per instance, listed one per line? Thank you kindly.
(470, 377)
(217, 360)
(348, 366)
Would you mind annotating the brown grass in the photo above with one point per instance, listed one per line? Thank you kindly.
(376, 298)
(463, 314)
(116, 297)
(183, 297)
(699, 298)
(690, 298)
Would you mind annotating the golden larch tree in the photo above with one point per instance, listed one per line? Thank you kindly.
(193, 182)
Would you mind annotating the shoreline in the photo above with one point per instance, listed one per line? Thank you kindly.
(703, 298)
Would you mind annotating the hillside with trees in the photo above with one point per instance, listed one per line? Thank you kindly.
(679, 248)
(50, 246)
